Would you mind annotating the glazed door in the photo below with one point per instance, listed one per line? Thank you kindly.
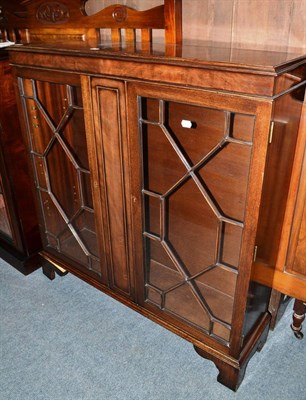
(58, 147)
(200, 157)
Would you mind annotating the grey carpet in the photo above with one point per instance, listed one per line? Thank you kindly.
(65, 340)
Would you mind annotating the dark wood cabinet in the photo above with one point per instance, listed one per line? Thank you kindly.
(163, 173)
(19, 234)
(155, 191)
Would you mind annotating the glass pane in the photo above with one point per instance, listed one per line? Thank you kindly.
(54, 223)
(163, 276)
(222, 331)
(242, 127)
(204, 128)
(158, 254)
(28, 87)
(225, 176)
(84, 224)
(220, 279)
(63, 175)
(86, 189)
(185, 304)
(57, 94)
(195, 174)
(150, 109)
(191, 221)
(41, 133)
(162, 166)
(230, 245)
(40, 172)
(152, 207)
(75, 138)
(70, 246)
(219, 303)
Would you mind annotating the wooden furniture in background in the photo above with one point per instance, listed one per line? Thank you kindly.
(49, 22)
(281, 263)
(253, 24)
(19, 234)
(299, 309)
(153, 171)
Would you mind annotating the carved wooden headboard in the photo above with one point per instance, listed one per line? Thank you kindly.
(31, 21)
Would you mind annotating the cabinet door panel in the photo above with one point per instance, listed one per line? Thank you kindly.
(109, 133)
(194, 188)
(58, 148)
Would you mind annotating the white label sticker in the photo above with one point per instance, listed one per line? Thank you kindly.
(186, 124)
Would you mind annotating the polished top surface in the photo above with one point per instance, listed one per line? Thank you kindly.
(205, 54)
